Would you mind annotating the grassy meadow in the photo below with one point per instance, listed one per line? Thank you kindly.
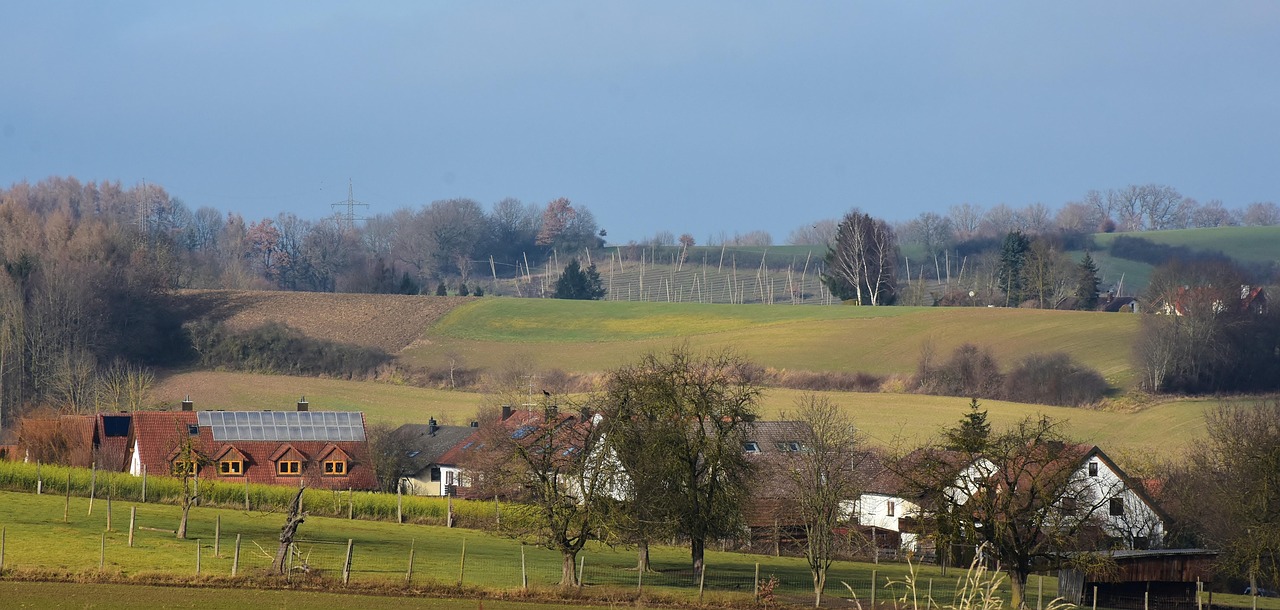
(86, 548)
(888, 420)
(1252, 244)
(596, 336)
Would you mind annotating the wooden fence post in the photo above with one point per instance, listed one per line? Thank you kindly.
(108, 507)
(235, 559)
(133, 516)
(449, 516)
(39, 479)
(1095, 597)
(408, 576)
(66, 508)
(246, 494)
(217, 535)
(2, 537)
(1039, 591)
(197, 556)
(582, 563)
(93, 485)
(102, 552)
(351, 504)
(462, 563)
(524, 575)
(399, 505)
(144, 483)
(346, 565)
(1199, 596)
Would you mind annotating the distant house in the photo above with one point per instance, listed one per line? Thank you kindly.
(771, 513)
(324, 449)
(425, 445)
(1186, 298)
(887, 511)
(1120, 505)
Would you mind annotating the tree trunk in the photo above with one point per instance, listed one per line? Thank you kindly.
(291, 523)
(642, 556)
(1017, 588)
(186, 507)
(698, 548)
(819, 585)
(568, 568)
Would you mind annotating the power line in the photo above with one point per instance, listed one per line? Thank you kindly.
(346, 214)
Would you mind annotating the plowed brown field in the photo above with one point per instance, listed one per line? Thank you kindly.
(391, 322)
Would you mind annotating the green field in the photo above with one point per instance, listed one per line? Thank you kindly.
(109, 596)
(380, 557)
(1251, 244)
(596, 336)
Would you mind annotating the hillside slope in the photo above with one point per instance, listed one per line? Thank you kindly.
(390, 322)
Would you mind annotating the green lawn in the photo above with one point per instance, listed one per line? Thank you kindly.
(108, 596)
(37, 540)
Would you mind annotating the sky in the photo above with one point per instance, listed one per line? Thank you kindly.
(702, 117)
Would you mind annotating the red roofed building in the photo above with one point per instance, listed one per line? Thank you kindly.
(324, 449)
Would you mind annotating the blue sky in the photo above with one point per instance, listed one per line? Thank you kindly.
(700, 117)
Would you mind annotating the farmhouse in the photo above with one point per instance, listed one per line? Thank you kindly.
(1125, 514)
(425, 447)
(324, 449)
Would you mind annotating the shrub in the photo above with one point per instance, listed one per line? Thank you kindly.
(278, 348)
(971, 371)
(1054, 379)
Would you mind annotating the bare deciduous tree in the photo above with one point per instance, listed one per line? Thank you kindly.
(822, 478)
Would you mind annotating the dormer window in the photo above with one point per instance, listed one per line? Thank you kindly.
(231, 468)
(184, 467)
(335, 468)
(289, 468)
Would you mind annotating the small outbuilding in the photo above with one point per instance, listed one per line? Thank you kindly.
(1160, 578)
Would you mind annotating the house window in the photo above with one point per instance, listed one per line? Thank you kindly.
(1117, 507)
(289, 467)
(183, 467)
(751, 447)
(435, 473)
(231, 468)
(335, 467)
(891, 507)
(1093, 469)
(193, 429)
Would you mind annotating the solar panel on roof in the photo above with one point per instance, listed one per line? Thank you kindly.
(283, 426)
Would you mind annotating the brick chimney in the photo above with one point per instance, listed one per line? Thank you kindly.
(303, 405)
(187, 405)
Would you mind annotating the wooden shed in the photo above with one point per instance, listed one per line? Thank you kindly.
(1164, 579)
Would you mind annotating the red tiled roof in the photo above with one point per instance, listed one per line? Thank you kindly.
(158, 434)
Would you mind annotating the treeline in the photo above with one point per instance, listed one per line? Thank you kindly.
(83, 294)
(1212, 330)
